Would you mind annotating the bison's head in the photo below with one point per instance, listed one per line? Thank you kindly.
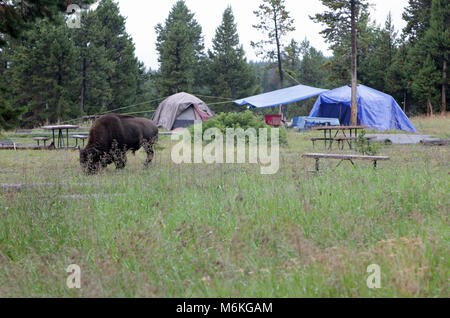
(90, 160)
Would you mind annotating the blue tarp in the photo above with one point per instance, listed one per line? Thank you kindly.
(281, 96)
(301, 122)
(375, 109)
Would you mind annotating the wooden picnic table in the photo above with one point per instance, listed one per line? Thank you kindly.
(60, 129)
(327, 132)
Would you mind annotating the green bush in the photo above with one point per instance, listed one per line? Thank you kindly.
(365, 146)
(243, 120)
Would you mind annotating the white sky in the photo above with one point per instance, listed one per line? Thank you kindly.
(143, 15)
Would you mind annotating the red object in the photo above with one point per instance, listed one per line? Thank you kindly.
(204, 116)
(273, 120)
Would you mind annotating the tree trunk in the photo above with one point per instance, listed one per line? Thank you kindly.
(83, 87)
(430, 108)
(354, 104)
(444, 88)
(280, 67)
(47, 122)
(404, 101)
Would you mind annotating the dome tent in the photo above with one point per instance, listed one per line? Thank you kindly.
(180, 111)
(375, 109)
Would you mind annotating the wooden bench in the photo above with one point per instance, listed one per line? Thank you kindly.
(39, 139)
(317, 139)
(340, 140)
(343, 157)
(81, 137)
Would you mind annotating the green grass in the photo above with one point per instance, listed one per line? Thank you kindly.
(226, 230)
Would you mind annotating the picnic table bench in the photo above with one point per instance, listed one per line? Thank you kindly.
(82, 137)
(339, 130)
(340, 140)
(39, 139)
(342, 157)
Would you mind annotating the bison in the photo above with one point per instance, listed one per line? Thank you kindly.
(112, 136)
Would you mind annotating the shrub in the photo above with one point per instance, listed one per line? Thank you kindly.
(365, 147)
(243, 120)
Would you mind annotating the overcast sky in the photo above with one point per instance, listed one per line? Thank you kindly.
(143, 15)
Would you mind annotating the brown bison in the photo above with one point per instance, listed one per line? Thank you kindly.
(111, 136)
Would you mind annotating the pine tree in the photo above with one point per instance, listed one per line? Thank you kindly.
(95, 70)
(428, 54)
(19, 15)
(8, 114)
(312, 70)
(377, 54)
(16, 17)
(180, 47)
(291, 59)
(417, 16)
(424, 84)
(43, 74)
(275, 22)
(396, 79)
(230, 75)
(437, 41)
(110, 35)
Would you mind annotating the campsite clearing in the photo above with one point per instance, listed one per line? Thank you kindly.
(226, 230)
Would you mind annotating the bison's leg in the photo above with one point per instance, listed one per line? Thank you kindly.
(121, 160)
(148, 147)
(105, 160)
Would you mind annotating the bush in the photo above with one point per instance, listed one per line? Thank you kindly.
(243, 120)
(364, 146)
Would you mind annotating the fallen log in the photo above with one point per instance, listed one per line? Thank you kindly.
(436, 142)
(22, 147)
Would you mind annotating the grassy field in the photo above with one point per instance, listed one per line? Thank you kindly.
(226, 230)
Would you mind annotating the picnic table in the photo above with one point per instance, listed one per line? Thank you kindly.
(60, 129)
(352, 132)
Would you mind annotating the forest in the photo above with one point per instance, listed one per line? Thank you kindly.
(52, 73)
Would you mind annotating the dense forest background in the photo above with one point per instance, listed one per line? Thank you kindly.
(52, 73)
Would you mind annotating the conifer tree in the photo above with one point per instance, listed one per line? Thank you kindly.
(275, 22)
(43, 73)
(180, 47)
(437, 41)
(230, 75)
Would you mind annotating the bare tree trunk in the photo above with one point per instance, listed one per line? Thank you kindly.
(47, 122)
(83, 87)
(354, 104)
(280, 67)
(444, 88)
(430, 108)
(404, 101)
